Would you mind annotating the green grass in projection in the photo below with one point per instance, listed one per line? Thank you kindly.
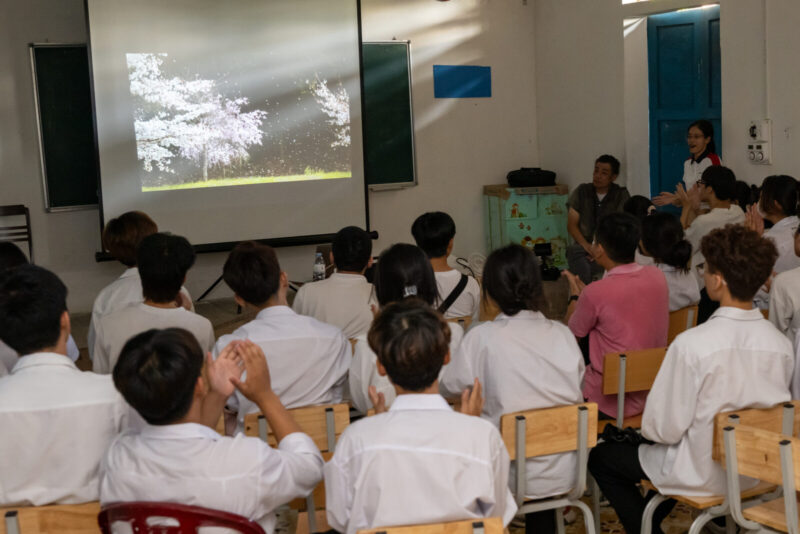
(223, 182)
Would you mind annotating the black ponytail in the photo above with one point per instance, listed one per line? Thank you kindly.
(662, 237)
(512, 278)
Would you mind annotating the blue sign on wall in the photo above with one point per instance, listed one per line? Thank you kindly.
(462, 81)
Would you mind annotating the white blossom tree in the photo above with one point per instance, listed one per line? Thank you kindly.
(336, 105)
(188, 118)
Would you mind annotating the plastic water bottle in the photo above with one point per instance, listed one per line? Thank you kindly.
(319, 267)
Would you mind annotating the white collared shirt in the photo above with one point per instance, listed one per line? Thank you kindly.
(420, 462)
(57, 423)
(308, 359)
(735, 360)
(364, 371)
(117, 327)
(192, 464)
(343, 300)
(524, 362)
(121, 293)
(683, 288)
(468, 303)
(782, 234)
(704, 224)
(784, 303)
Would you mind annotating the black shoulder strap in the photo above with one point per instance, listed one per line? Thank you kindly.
(454, 294)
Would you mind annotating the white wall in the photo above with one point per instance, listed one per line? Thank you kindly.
(637, 109)
(579, 86)
(461, 144)
(752, 90)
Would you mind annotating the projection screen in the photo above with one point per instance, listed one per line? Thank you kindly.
(230, 120)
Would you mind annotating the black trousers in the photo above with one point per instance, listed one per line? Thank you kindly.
(541, 522)
(616, 468)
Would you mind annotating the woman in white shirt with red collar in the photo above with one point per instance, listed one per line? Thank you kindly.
(702, 155)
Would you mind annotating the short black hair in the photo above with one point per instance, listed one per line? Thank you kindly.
(619, 235)
(352, 248)
(11, 256)
(156, 373)
(163, 261)
(780, 189)
(32, 301)
(404, 270)
(512, 278)
(611, 160)
(252, 271)
(721, 180)
(639, 206)
(122, 235)
(411, 340)
(433, 231)
(663, 239)
(743, 258)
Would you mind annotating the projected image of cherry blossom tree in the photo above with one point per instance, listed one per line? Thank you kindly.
(188, 118)
(336, 105)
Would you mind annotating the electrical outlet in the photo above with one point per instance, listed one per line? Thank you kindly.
(759, 143)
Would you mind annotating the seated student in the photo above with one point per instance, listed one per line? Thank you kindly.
(778, 205)
(56, 421)
(663, 241)
(403, 271)
(640, 207)
(163, 261)
(524, 361)
(309, 359)
(587, 204)
(736, 360)
(345, 298)
(419, 462)
(627, 310)
(179, 457)
(121, 237)
(11, 256)
(459, 294)
(784, 298)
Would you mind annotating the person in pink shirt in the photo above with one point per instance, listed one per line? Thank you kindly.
(628, 309)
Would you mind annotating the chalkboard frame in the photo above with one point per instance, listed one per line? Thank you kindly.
(49, 203)
(414, 181)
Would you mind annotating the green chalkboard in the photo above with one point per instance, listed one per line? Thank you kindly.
(66, 125)
(388, 116)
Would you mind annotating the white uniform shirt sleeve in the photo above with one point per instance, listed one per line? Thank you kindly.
(338, 489)
(671, 403)
(363, 374)
(796, 374)
(297, 305)
(100, 356)
(505, 506)
(781, 309)
(463, 367)
(290, 472)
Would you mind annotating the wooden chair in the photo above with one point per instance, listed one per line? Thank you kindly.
(628, 372)
(489, 525)
(783, 417)
(59, 518)
(535, 433)
(172, 518)
(17, 233)
(765, 313)
(680, 321)
(324, 423)
(770, 457)
(465, 321)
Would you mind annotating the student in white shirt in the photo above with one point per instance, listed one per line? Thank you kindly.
(179, 457)
(12, 256)
(434, 233)
(345, 298)
(403, 271)
(784, 301)
(418, 462)
(735, 360)
(777, 204)
(121, 237)
(663, 241)
(309, 359)
(163, 261)
(56, 421)
(525, 362)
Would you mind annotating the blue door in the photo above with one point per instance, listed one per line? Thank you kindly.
(684, 75)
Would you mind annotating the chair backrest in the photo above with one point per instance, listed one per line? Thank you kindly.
(488, 525)
(535, 433)
(72, 518)
(765, 313)
(633, 370)
(783, 418)
(17, 233)
(323, 423)
(681, 320)
(465, 321)
(172, 518)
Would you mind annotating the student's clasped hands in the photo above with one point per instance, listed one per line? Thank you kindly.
(240, 356)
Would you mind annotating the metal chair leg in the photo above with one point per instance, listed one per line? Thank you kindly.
(649, 512)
